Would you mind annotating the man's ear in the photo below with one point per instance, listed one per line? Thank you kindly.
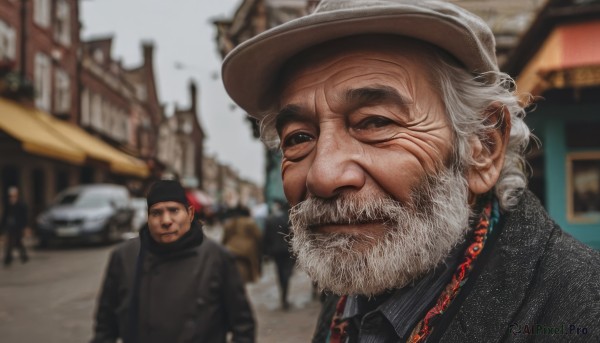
(191, 212)
(488, 151)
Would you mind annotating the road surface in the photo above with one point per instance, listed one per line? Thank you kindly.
(52, 298)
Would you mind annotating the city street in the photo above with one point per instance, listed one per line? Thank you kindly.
(52, 299)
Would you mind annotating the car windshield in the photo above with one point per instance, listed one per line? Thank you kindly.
(84, 199)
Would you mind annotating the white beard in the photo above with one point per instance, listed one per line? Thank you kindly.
(418, 236)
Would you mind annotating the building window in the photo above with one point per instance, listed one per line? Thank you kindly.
(107, 126)
(62, 26)
(99, 56)
(43, 82)
(583, 187)
(141, 92)
(124, 126)
(41, 12)
(8, 44)
(85, 107)
(62, 92)
(96, 112)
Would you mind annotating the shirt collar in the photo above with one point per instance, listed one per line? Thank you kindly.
(406, 306)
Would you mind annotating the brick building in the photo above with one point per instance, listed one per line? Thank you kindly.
(40, 39)
(251, 18)
(191, 139)
(119, 105)
(38, 46)
(211, 183)
(44, 150)
(149, 110)
(181, 143)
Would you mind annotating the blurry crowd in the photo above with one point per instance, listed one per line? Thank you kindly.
(250, 237)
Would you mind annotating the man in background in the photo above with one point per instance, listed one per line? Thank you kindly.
(242, 238)
(171, 284)
(14, 222)
(275, 242)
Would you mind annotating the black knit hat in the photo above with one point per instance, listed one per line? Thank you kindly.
(166, 190)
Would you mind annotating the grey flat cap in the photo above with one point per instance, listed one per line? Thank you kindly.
(251, 68)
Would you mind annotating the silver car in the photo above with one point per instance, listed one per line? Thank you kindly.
(140, 216)
(99, 212)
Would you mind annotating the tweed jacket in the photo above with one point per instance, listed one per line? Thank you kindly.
(532, 283)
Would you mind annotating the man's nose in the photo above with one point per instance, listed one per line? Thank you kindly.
(335, 167)
(166, 219)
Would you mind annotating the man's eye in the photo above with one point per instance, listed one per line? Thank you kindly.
(374, 122)
(296, 138)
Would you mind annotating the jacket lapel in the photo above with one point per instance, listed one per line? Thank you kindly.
(501, 288)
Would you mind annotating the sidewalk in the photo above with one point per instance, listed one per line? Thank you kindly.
(28, 241)
(278, 326)
(275, 325)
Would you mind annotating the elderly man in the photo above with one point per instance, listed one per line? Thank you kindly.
(171, 284)
(403, 160)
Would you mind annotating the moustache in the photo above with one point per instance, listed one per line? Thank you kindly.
(346, 209)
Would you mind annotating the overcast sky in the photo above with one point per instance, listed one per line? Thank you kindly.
(183, 36)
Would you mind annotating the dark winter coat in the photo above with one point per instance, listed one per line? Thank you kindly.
(534, 276)
(19, 211)
(276, 230)
(195, 295)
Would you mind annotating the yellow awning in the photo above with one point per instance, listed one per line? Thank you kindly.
(42, 134)
(22, 124)
(95, 148)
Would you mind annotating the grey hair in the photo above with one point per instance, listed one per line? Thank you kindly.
(467, 98)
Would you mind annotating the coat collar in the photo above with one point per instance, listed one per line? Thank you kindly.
(506, 276)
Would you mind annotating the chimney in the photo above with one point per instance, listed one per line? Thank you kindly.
(194, 97)
(148, 51)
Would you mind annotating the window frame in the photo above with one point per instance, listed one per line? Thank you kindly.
(42, 10)
(574, 177)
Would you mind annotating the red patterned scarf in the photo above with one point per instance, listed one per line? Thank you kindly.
(489, 217)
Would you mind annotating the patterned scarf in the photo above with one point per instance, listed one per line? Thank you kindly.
(488, 219)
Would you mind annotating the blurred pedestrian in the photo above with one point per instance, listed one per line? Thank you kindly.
(14, 222)
(242, 237)
(276, 246)
(171, 284)
(193, 201)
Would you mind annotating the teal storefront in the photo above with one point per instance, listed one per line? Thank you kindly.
(566, 167)
(557, 61)
(273, 189)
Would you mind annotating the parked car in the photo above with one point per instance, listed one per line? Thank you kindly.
(140, 215)
(98, 212)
